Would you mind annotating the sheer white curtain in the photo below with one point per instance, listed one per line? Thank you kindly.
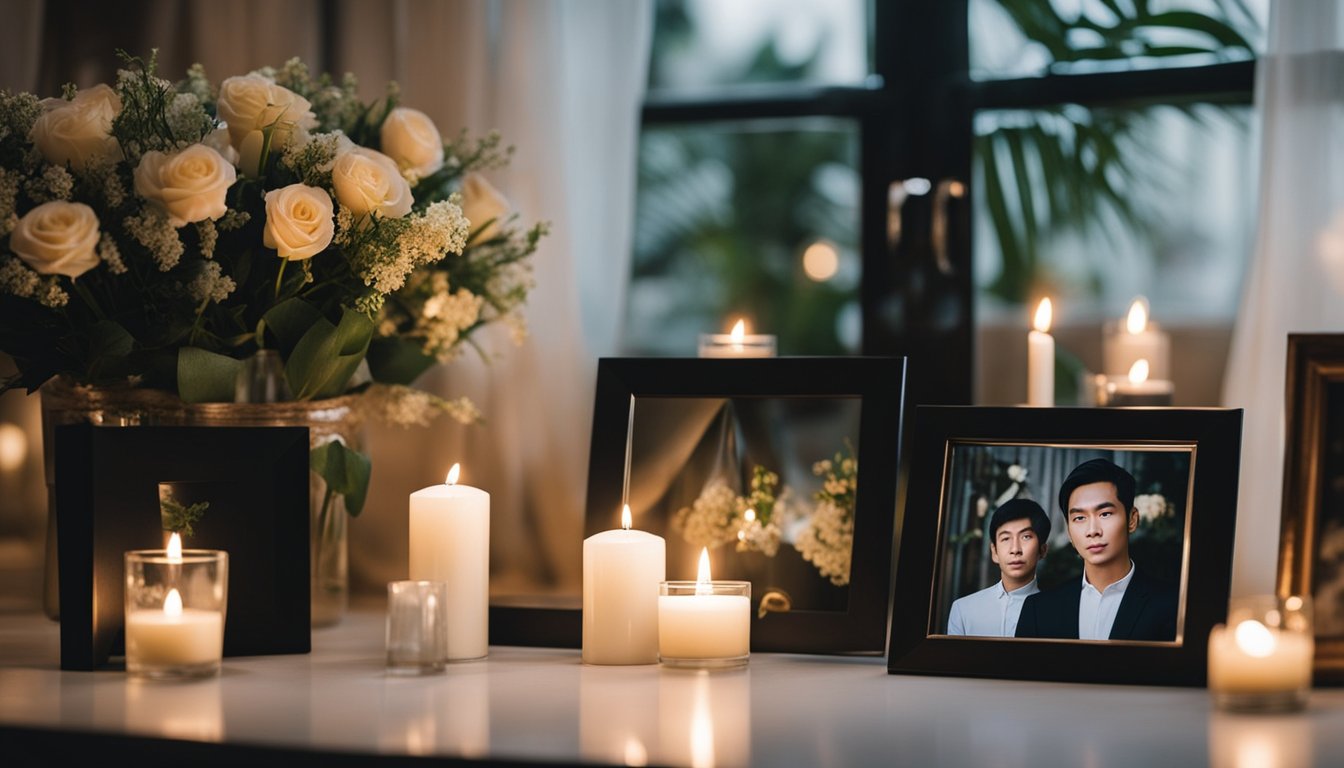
(1296, 280)
(563, 81)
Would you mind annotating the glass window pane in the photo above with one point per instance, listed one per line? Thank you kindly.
(704, 43)
(1024, 38)
(754, 219)
(1096, 207)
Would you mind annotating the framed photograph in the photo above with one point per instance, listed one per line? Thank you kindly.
(247, 489)
(1311, 558)
(758, 462)
(1069, 544)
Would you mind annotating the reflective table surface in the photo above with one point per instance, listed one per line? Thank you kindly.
(543, 705)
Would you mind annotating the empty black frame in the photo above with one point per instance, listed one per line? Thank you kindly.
(877, 384)
(107, 491)
(919, 645)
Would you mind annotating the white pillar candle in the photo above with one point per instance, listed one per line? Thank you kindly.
(1136, 338)
(174, 636)
(1041, 359)
(711, 622)
(737, 343)
(621, 573)
(450, 542)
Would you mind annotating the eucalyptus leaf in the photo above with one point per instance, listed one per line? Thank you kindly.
(345, 471)
(289, 321)
(327, 355)
(206, 377)
(397, 361)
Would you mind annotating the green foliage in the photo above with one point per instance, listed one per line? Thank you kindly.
(179, 518)
(346, 473)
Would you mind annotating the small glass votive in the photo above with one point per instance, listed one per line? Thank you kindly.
(704, 624)
(1120, 392)
(175, 610)
(733, 345)
(417, 627)
(1261, 660)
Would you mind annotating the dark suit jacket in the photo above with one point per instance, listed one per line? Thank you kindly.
(1147, 611)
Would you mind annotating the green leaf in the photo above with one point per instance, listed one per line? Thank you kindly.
(206, 377)
(397, 361)
(327, 355)
(345, 471)
(289, 321)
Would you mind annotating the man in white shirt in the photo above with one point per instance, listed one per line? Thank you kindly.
(1113, 599)
(1019, 530)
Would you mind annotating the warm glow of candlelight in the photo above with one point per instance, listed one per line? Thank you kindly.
(175, 552)
(1137, 321)
(1138, 373)
(626, 519)
(702, 574)
(172, 604)
(821, 261)
(1044, 314)
(739, 331)
(1255, 639)
(749, 515)
(453, 473)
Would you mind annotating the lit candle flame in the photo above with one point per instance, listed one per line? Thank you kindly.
(175, 548)
(1138, 373)
(626, 519)
(172, 604)
(635, 753)
(702, 574)
(453, 473)
(749, 515)
(1137, 320)
(1043, 316)
(1255, 639)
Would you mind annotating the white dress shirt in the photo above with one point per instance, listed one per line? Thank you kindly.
(991, 612)
(1096, 610)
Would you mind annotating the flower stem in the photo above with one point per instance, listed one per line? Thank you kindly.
(279, 277)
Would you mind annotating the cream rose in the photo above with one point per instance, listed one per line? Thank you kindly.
(252, 103)
(410, 138)
(299, 221)
(367, 180)
(57, 238)
(188, 185)
(79, 131)
(481, 203)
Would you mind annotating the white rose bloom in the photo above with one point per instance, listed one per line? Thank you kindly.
(252, 102)
(367, 181)
(57, 238)
(299, 221)
(189, 185)
(481, 203)
(410, 138)
(79, 131)
(218, 140)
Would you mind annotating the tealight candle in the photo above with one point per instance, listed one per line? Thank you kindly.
(1262, 658)
(1124, 342)
(621, 573)
(737, 343)
(1135, 389)
(704, 623)
(1041, 358)
(450, 542)
(175, 603)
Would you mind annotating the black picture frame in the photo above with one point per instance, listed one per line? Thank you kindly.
(1313, 463)
(876, 383)
(918, 640)
(107, 491)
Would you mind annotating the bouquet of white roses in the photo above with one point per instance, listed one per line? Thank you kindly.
(162, 233)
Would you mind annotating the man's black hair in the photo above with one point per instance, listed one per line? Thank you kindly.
(1016, 509)
(1098, 471)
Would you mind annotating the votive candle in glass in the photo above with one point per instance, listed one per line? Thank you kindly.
(1261, 660)
(417, 627)
(175, 606)
(704, 623)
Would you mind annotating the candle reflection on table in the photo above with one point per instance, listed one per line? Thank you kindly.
(704, 718)
(448, 715)
(193, 712)
(1259, 741)
(616, 723)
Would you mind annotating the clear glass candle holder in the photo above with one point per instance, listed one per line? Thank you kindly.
(704, 624)
(727, 345)
(417, 627)
(175, 609)
(1261, 660)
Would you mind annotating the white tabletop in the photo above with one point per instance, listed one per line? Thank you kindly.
(544, 705)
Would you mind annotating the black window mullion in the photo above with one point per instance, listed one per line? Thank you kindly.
(1226, 83)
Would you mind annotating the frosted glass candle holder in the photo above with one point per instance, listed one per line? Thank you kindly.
(417, 627)
(726, 345)
(704, 625)
(1261, 660)
(175, 612)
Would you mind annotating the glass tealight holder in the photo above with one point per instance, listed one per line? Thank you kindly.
(417, 627)
(726, 345)
(1261, 660)
(175, 610)
(704, 624)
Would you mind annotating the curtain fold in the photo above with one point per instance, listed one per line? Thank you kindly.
(1296, 279)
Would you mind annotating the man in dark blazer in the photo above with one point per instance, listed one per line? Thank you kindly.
(1113, 599)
